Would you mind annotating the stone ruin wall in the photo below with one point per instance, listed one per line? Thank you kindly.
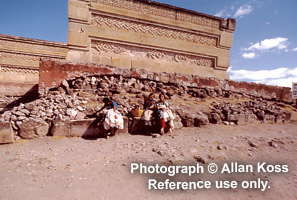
(149, 35)
(52, 73)
(126, 47)
(128, 33)
(19, 62)
(71, 94)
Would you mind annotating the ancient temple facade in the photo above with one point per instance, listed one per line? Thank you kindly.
(139, 34)
(19, 62)
(149, 35)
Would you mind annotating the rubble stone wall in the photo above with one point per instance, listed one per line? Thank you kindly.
(52, 73)
(70, 96)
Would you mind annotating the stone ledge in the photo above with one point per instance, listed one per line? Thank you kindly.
(6, 133)
(86, 128)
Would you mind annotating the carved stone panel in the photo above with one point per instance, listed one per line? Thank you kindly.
(161, 12)
(19, 70)
(152, 29)
(142, 52)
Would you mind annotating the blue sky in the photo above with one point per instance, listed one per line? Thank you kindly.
(264, 45)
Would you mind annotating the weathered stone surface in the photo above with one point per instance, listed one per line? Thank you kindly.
(187, 118)
(6, 133)
(20, 61)
(251, 118)
(177, 122)
(269, 119)
(238, 119)
(85, 128)
(188, 121)
(80, 115)
(215, 118)
(201, 119)
(128, 88)
(288, 116)
(60, 128)
(89, 128)
(205, 86)
(72, 113)
(33, 129)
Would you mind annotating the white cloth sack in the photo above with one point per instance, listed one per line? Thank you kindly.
(167, 115)
(171, 116)
(147, 115)
(164, 115)
(113, 120)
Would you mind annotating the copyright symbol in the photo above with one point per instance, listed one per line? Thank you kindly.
(212, 168)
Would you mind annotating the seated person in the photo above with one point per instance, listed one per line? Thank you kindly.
(165, 114)
(113, 119)
(149, 113)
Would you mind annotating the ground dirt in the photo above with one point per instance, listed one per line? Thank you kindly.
(76, 168)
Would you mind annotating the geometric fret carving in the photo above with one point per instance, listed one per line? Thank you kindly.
(19, 70)
(142, 52)
(199, 20)
(27, 57)
(154, 30)
(161, 12)
(20, 56)
(42, 47)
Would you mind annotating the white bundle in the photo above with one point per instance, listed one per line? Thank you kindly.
(113, 119)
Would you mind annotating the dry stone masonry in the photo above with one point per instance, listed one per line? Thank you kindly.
(68, 102)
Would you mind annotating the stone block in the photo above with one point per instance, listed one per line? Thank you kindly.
(177, 122)
(78, 10)
(238, 119)
(80, 115)
(187, 118)
(215, 118)
(33, 129)
(88, 128)
(226, 39)
(201, 119)
(121, 61)
(60, 128)
(75, 37)
(6, 133)
(279, 119)
(183, 69)
(269, 119)
(188, 122)
(85, 128)
(251, 118)
(137, 126)
(288, 116)
(103, 60)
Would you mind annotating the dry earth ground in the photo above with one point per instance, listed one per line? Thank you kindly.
(75, 168)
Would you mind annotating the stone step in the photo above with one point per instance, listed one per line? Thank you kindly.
(82, 128)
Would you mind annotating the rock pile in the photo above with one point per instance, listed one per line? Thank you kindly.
(248, 112)
(81, 98)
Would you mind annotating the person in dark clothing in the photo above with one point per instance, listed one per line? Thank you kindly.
(150, 108)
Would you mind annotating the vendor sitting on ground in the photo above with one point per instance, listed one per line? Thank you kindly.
(150, 108)
(113, 119)
(165, 115)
